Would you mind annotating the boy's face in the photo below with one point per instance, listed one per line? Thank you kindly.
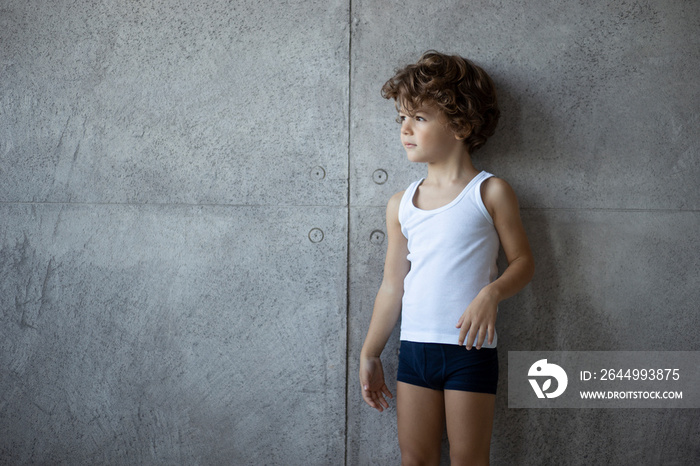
(426, 136)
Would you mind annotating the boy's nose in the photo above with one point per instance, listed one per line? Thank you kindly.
(406, 127)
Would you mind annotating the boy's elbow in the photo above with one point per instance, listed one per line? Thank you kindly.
(391, 289)
(526, 267)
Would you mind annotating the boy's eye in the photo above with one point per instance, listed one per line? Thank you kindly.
(400, 119)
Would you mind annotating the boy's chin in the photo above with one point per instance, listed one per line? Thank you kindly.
(416, 158)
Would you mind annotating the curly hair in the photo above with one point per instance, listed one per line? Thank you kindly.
(461, 90)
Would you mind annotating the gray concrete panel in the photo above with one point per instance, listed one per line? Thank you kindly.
(599, 100)
(172, 335)
(600, 436)
(174, 102)
(372, 436)
(208, 326)
(609, 280)
(605, 280)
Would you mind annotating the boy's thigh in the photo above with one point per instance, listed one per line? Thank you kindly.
(469, 419)
(421, 422)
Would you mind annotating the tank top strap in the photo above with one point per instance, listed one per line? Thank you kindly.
(478, 200)
(407, 199)
(481, 177)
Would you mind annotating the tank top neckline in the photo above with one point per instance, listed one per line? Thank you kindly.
(454, 201)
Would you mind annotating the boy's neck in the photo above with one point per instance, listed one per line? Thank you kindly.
(451, 170)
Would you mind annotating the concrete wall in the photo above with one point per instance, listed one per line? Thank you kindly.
(191, 219)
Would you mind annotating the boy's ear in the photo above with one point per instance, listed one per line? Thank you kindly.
(464, 134)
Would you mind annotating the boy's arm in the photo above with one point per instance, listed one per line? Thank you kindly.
(387, 309)
(501, 202)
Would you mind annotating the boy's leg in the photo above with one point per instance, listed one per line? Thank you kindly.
(469, 425)
(421, 421)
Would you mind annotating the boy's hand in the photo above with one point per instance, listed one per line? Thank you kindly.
(479, 320)
(372, 383)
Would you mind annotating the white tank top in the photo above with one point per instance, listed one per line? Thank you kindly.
(453, 251)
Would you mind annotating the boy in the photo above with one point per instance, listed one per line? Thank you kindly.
(440, 271)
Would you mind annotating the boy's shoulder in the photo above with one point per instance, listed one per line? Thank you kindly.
(495, 185)
(395, 200)
(496, 193)
(392, 207)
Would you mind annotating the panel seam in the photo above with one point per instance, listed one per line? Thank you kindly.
(348, 244)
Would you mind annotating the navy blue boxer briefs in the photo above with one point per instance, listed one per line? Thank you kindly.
(448, 367)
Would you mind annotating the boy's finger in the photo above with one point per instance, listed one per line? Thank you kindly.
(462, 334)
(364, 380)
(380, 402)
(470, 340)
(368, 400)
(480, 339)
(386, 391)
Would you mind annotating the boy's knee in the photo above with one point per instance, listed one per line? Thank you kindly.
(419, 458)
(468, 457)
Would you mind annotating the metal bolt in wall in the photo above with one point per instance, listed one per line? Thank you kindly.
(316, 235)
(318, 173)
(380, 176)
(376, 237)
